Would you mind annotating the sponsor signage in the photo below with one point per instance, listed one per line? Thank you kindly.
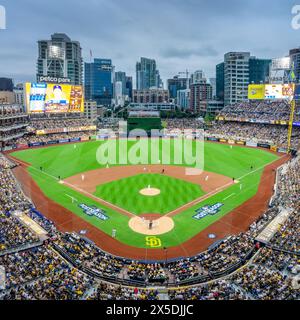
(53, 98)
(63, 140)
(52, 142)
(282, 150)
(75, 139)
(251, 144)
(256, 92)
(208, 211)
(49, 79)
(264, 145)
(36, 144)
(93, 211)
(212, 139)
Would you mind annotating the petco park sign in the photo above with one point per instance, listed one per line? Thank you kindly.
(49, 79)
(94, 212)
(208, 210)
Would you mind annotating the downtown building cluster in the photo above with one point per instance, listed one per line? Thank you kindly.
(60, 61)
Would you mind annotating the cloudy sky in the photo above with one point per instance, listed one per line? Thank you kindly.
(179, 34)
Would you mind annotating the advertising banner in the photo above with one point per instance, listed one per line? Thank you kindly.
(251, 144)
(212, 139)
(53, 98)
(75, 139)
(264, 145)
(63, 141)
(256, 92)
(52, 142)
(279, 91)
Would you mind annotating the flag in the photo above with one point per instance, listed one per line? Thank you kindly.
(292, 73)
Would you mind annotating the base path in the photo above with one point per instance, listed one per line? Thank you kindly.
(234, 222)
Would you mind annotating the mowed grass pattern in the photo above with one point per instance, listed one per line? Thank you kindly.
(125, 193)
(68, 160)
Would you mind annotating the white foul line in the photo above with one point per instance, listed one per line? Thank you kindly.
(229, 196)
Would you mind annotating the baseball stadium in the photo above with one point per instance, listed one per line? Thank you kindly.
(149, 162)
(183, 214)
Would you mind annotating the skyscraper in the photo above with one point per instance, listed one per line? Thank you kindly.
(60, 58)
(99, 78)
(220, 81)
(259, 70)
(129, 87)
(200, 94)
(176, 84)
(147, 76)
(121, 77)
(236, 77)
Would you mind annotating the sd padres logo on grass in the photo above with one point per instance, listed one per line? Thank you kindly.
(208, 210)
(153, 242)
(94, 211)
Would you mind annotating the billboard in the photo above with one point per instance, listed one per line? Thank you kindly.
(256, 92)
(279, 91)
(53, 98)
(281, 63)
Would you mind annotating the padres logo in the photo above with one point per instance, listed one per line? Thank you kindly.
(153, 242)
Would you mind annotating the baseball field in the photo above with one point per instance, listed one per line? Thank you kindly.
(110, 197)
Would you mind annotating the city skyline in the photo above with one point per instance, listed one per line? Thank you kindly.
(193, 35)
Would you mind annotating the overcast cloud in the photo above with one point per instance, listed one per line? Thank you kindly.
(179, 34)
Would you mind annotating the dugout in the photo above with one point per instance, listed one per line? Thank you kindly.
(144, 120)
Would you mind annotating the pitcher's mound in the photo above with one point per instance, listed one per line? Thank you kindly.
(159, 226)
(150, 192)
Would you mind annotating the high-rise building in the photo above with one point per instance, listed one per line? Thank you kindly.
(236, 77)
(6, 84)
(120, 76)
(183, 98)
(213, 82)
(220, 81)
(176, 84)
(6, 91)
(61, 58)
(19, 94)
(295, 63)
(129, 87)
(201, 93)
(147, 76)
(259, 70)
(90, 109)
(198, 77)
(98, 80)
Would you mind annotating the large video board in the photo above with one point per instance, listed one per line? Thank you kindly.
(279, 91)
(53, 98)
(270, 91)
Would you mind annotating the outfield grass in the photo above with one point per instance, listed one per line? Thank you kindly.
(66, 161)
(174, 193)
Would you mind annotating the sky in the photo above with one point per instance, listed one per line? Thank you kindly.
(180, 34)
